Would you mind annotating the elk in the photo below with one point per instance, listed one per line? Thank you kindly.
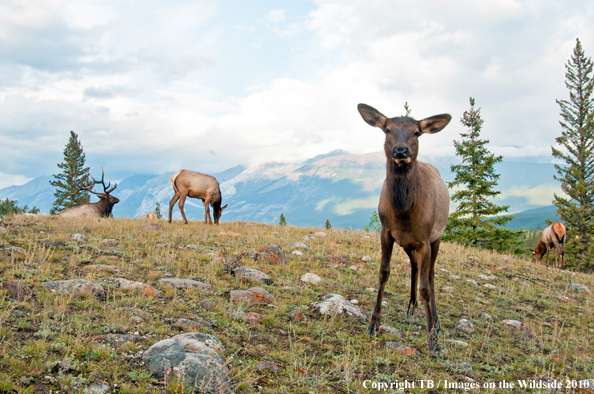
(553, 235)
(413, 210)
(194, 184)
(99, 209)
(150, 215)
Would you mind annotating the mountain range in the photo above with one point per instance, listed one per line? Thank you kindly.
(340, 187)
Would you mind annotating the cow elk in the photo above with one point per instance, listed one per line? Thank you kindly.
(194, 184)
(150, 216)
(99, 209)
(554, 236)
(413, 209)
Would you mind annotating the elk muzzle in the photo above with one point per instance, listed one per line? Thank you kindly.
(401, 154)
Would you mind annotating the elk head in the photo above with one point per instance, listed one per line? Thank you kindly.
(402, 133)
(217, 211)
(104, 197)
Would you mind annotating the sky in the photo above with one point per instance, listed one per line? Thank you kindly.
(157, 86)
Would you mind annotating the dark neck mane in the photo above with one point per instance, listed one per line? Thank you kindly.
(402, 184)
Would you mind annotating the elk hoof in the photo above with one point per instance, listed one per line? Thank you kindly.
(438, 351)
(371, 330)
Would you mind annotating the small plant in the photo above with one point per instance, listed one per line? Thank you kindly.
(230, 264)
(374, 223)
(282, 221)
(158, 213)
(328, 225)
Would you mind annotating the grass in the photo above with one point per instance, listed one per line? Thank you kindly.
(51, 350)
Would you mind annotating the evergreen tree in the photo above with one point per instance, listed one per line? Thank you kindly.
(374, 223)
(11, 207)
(575, 149)
(475, 222)
(73, 172)
(158, 213)
(328, 225)
(282, 221)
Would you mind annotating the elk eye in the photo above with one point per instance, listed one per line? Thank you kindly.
(387, 131)
(418, 133)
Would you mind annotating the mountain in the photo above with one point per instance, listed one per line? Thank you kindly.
(533, 219)
(336, 186)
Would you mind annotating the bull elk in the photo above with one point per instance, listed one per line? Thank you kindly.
(99, 209)
(413, 209)
(553, 235)
(194, 184)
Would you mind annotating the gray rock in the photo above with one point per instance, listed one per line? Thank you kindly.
(110, 242)
(297, 253)
(180, 283)
(251, 275)
(485, 316)
(310, 278)
(78, 237)
(367, 258)
(299, 245)
(192, 358)
(465, 325)
(74, 286)
(272, 254)
(579, 288)
(464, 368)
(459, 343)
(334, 304)
(98, 387)
(191, 246)
(132, 285)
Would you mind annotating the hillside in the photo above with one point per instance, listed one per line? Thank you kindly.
(52, 341)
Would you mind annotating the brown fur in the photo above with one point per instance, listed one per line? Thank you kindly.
(413, 210)
(99, 209)
(150, 215)
(197, 185)
(553, 235)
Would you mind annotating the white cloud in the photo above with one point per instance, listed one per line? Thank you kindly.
(275, 16)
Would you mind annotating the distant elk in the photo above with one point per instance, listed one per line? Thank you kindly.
(413, 210)
(99, 209)
(150, 215)
(553, 235)
(194, 184)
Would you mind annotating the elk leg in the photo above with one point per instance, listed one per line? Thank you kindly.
(557, 250)
(434, 252)
(387, 243)
(548, 250)
(207, 218)
(424, 256)
(414, 273)
(172, 203)
(182, 201)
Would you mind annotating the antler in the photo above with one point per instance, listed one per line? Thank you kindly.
(105, 188)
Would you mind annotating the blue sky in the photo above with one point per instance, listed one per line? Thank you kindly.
(154, 86)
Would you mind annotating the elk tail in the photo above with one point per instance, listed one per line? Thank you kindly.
(172, 179)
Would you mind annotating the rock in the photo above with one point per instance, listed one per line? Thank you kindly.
(559, 358)
(354, 301)
(104, 267)
(166, 274)
(338, 259)
(464, 368)
(16, 250)
(299, 245)
(448, 289)
(118, 339)
(153, 226)
(110, 242)
(458, 343)
(97, 387)
(296, 315)
(16, 290)
(253, 295)
(180, 283)
(18, 313)
(191, 246)
(74, 286)
(272, 254)
(193, 358)
(455, 277)
(334, 304)
(137, 320)
(208, 305)
(485, 316)
(513, 323)
(161, 245)
(472, 281)
(389, 330)
(253, 317)
(489, 286)
(578, 288)
(400, 348)
(484, 277)
(310, 278)
(266, 366)
(466, 326)
(297, 253)
(126, 284)
(78, 237)
(251, 275)
(320, 234)
(367, 258)
(563, 298)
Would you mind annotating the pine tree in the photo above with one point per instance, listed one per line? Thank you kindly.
(11, 207)
(282, 221)
(475, 222)
(158, 213)
(73, 173)
(575, 148)
(374, 223)
(328, 225)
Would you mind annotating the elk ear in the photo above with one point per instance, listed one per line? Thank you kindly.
(372, 116)
(434, 123)
(532, 250)
(223, 207)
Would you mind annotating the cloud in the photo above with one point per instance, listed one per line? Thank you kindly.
(275, 16)
(109, 92)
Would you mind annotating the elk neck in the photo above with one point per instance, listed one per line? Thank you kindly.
(402, 184)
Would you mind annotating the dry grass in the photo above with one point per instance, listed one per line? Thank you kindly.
(50, 349)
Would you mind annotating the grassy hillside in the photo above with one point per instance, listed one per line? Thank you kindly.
(54, 345)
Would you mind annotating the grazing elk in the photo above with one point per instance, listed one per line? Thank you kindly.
(553, 235)
(413, 209)
(150, 215)
(194, 184)
(99, 209)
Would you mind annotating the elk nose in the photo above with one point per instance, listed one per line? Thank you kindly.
(400, 152)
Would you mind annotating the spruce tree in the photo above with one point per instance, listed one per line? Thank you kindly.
(475, 221)
(73, 174)
(575, 148)
(282, 221)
